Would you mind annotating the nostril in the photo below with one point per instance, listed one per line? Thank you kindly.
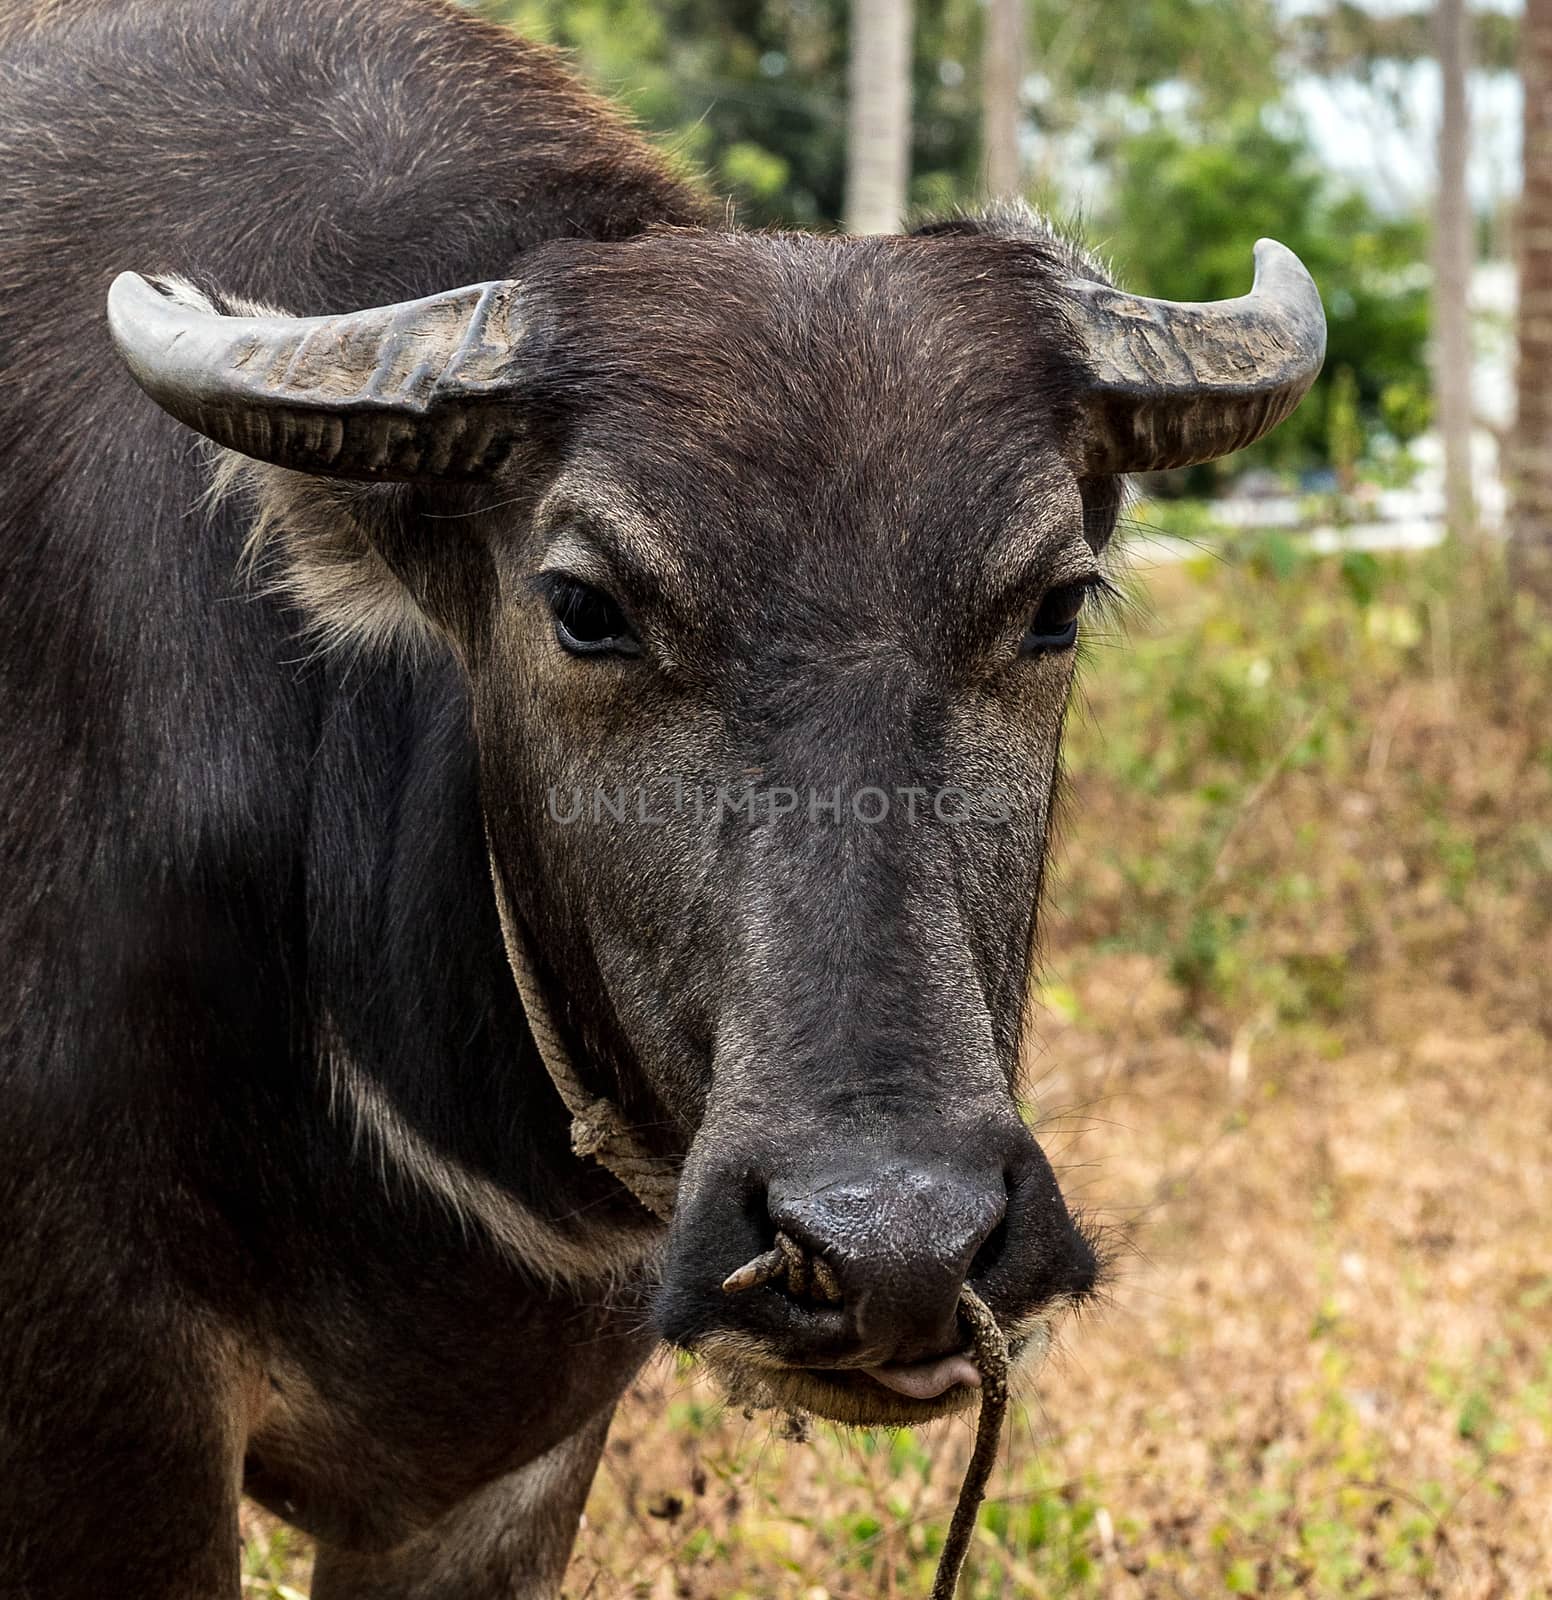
(757, 1211)
(786, 1261)
(803, 1274)
(990, 1251)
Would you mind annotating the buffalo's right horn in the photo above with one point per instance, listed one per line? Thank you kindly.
(411, 391)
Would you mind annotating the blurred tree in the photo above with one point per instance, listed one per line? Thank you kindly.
(1531, 459)
(1184, 210)
(1220, 53)
(750, 92)
(1002, 96)
(878, 145)
(753, 92)
(1453, 241)
(1347, 39)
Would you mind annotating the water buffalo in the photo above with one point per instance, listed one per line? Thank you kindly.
(715, 591)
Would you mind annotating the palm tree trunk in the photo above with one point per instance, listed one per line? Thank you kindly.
(1453, 250)
(1002, 79)
(878, 159)
(1531, 458)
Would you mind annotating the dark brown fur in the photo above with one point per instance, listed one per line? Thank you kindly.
(286, 1198)
(188, 801)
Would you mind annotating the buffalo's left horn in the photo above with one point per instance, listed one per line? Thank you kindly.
(409, 391)
(1174, 383)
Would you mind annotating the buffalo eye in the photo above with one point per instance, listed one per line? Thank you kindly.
(1055, 625)
(589, 622)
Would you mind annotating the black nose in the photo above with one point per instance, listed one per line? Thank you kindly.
(852, 1251)
(899, 1238)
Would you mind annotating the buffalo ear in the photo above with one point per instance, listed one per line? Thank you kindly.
(422, 391)
(327, 425)
(319, 542)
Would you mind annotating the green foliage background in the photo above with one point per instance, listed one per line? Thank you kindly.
(1186, 206)
(1165, 130)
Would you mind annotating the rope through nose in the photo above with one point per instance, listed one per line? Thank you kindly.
(991, 1357)
(806, 1273)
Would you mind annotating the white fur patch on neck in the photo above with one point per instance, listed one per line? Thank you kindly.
(407, 1163)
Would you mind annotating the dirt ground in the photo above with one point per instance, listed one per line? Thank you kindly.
(1326, 1367)
(1294, 1057)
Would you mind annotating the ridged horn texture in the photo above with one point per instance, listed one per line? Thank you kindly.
(1175, 383)
(411, 391)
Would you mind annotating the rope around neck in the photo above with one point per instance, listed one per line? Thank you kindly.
(598, 1127)
(599, 1131)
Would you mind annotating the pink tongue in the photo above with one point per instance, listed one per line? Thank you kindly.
(926, 1380)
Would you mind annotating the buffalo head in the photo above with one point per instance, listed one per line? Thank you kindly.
(765, 556)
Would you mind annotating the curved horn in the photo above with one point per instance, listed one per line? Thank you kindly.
(404, 391)
(1175, 383)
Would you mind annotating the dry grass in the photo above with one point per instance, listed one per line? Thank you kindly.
(1296, 1051)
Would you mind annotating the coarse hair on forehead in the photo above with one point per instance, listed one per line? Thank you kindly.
(775, 313)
